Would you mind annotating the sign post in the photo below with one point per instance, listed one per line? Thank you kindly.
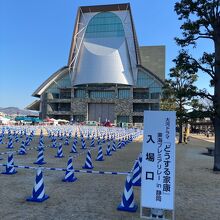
(158, 162)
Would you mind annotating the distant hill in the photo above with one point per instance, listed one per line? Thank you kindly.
(17, 111)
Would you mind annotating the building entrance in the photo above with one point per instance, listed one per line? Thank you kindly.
(101, 112)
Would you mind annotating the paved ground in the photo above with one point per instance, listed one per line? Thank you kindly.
(97, 196)
(203, 137)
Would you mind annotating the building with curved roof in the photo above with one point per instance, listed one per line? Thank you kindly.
(108, 76)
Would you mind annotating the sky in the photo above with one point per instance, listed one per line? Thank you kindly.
(35, 38)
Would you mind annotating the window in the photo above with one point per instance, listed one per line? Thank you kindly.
(65, 93)
(78, 118)
(140, 107)
(80, 93)
(105, 24)
(140, 93)
(138, 119)
(154, 106)
(155, 95)
(102, 94)
(64, 107)
(123, 93)
(122, 118)
(52, 107)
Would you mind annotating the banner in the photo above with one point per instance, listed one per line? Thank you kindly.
(158, 160)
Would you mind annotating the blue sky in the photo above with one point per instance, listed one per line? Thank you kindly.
(35, 38)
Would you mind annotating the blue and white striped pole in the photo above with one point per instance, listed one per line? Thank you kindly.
(100, 154)
(127, 201)
(69, 177)
(10, 166)
(88, 162)
(38, 193)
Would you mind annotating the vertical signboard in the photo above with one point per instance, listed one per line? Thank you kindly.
(158, 160)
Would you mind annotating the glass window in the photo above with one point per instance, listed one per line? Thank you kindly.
(102, 94)
(122, 118)
(140, 107)
(141, 93)
(105, 24)
(80, 93)
(64, 107)
(65, 93)
(78, 118)
(155, 106)
(138, 119)
(123, 93)
(155, 95)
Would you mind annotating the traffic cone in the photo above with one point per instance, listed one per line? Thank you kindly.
(98, 141)
(113, 146)
(40, 158)
(22, 150)
(1, 139)
(140, 162)
(119, 144)
(27, 141)
(100, 154)
(127, 201)
(73, 150)
(54, 144)
(21, 134)
(69, 177)
(10, 169)
(60, 152)
(92, 142)
(75, 140)
(88, 162)
(136, 178)
(108, 150)
(38, 193)
(103, 139)
(61, 136)
(41, 141)
(123, 143)
(83, 144)
(16, 138)
(67, 141)
(40, 146)
(10, 144)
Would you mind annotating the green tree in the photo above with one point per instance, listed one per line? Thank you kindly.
(178, 93)
(201, 20)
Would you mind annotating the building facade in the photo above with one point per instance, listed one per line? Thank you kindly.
(108, 76)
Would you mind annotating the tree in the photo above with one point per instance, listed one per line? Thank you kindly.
(201, 20)
(178, 93)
